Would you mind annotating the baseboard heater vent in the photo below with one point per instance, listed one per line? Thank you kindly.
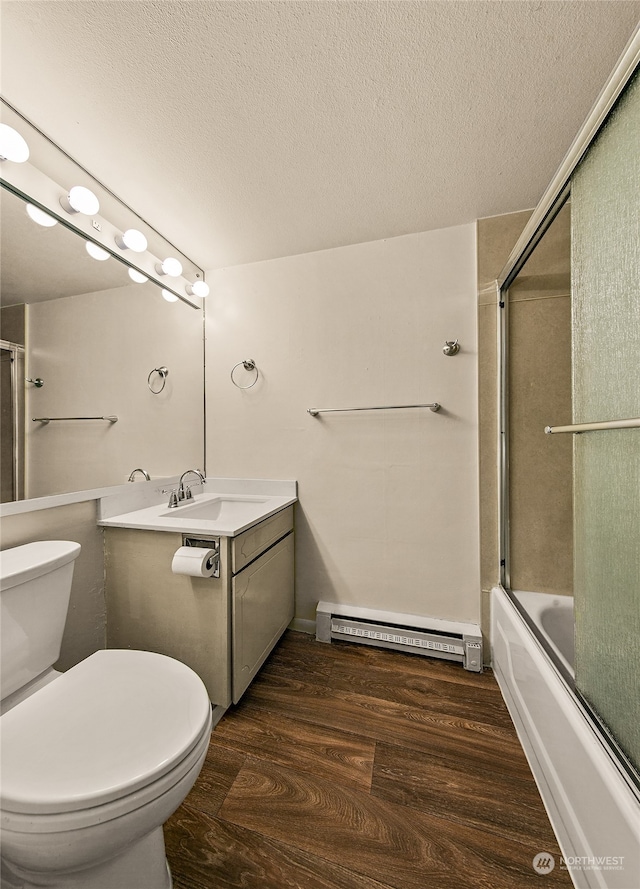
(410, 633)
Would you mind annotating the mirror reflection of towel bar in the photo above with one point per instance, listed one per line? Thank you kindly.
(56, 419)
(577, 428)
(314, 411)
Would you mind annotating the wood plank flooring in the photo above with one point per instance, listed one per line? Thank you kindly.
(349, 767)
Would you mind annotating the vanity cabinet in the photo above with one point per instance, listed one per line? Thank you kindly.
(224, 627)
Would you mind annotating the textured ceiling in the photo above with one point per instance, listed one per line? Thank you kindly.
(251, 130)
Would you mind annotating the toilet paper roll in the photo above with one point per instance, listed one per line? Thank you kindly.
(194, 561)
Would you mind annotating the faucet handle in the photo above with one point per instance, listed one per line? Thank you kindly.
(173, 500)
(187, 493)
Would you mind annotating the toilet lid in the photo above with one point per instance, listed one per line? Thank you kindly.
(108, 727)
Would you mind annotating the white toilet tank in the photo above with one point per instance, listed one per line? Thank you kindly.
(35, 584)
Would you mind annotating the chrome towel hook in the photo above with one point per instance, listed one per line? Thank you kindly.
(451, 347)
(249, 365)
(164, 373)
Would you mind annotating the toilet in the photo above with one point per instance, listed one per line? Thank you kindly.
(96, 759)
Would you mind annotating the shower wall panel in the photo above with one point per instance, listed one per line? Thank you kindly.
(540, 466)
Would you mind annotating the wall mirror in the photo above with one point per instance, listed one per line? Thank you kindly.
(81, 341)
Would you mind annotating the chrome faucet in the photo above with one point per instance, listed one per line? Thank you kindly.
(143, 471)
(184, 492)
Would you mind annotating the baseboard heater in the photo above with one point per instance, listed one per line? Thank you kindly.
(411, 633)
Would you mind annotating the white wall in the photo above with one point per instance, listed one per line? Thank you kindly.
(388, 512)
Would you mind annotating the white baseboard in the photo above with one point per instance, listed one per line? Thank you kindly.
(303, 626)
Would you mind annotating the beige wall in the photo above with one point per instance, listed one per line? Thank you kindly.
(95, 353)
(85, 629)
(541, 466)
(540, 476)
(388, 512)
(12, 324)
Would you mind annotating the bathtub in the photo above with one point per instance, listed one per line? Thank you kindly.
(591, 801)
(553, 615)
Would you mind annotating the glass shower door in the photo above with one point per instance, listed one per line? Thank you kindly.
(605, 219)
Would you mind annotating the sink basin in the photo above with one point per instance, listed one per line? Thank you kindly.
(221, 512)
(228, 509)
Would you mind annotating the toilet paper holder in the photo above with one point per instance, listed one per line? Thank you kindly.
(205, 543)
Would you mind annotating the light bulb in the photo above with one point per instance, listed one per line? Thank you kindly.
(198, 288)
(170, 266)
(137, 276)
(12, 146)
(80, 200)
(132, 239)
(170, 297)
(40, 216)
(96, 252)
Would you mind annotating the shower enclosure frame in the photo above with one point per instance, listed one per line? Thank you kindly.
(608, 782)
(552, 201)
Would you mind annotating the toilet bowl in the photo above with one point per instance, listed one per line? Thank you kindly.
(92, 766)
(93, 762)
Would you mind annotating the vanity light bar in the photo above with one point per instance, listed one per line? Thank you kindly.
(179, 277)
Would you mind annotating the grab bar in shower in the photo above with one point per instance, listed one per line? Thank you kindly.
(577, 428)
(56, 419)
(314, 411)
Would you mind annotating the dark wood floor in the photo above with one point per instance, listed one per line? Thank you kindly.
(349, 767)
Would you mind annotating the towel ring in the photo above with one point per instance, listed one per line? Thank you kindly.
(164, 373)
(249, 365)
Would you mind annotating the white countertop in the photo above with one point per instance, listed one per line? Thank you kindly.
(234, 504)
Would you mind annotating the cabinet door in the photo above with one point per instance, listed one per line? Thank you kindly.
(263, 604)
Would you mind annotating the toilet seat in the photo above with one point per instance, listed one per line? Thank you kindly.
(111, 733)
(185, 773)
